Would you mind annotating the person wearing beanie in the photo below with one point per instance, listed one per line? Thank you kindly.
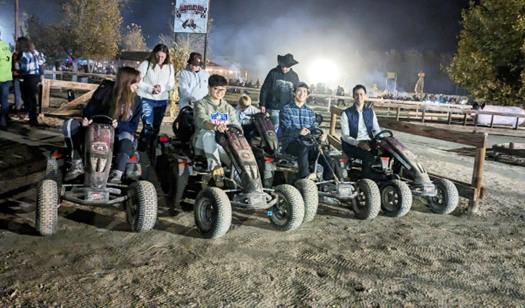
(193, 81)
(5, 82)
(277, 88)
(298, 120)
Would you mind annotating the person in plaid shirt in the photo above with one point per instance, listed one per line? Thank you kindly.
(297, 119)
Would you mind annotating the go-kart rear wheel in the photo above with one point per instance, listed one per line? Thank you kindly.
(367, 204)
(308, 191)
(447, 198)
(141, 207)
(396, 198)
(213, 212)
(288, 213)
(47, 207)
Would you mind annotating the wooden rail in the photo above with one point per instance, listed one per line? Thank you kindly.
(473, 191)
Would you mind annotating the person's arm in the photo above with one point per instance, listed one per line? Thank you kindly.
(266, 87)
(202, 118)
(171, 81)
(184, 87)
(286, 124)
(143, 69)
(23, 64)
(132, 124)
(252, 110)
(345, 131)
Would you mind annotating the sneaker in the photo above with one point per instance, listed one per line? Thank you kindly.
(21, 115)
(218, 176)
(115, 176)
(312, 177)
(76, 169)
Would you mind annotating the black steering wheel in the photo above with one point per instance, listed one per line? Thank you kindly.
(380, 136)
(313, 137)
(219, 137)
(102, 119)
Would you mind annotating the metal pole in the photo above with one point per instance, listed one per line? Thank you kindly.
(16, 20)
(206, 36)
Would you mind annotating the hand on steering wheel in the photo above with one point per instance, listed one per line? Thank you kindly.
(380, 136)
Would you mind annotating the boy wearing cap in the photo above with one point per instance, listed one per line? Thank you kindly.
(297, 120)
(276, 90)
(193, 81)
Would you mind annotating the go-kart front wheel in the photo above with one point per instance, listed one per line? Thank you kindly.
(367, 204)
(310, 195)
(288, 213)
(213, 212)
(47, 207)
(447, 198)
(141, 207)
(396, 198)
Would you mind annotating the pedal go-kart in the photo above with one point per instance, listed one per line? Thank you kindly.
(139, 197)
(184, 175)
(363, 195)
(406, 177)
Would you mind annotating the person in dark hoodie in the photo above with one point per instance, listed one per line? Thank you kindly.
(276, 90)
(118, 100)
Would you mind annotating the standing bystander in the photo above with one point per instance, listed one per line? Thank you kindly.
(5, 83)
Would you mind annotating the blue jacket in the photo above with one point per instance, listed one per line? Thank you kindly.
(353, 120)
(130, 125)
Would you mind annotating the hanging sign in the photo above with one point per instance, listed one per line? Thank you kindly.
(191, 16)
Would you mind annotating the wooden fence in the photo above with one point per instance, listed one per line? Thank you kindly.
(473, 191)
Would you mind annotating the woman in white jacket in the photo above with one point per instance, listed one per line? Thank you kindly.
(157, 79)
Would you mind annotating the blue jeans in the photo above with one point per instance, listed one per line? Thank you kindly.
(153, 112)
(274, 118)
(152, 115)
(19, 103)
(4, 111)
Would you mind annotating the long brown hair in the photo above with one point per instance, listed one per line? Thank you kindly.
(23, 44)
(122, 99)
(152, 57)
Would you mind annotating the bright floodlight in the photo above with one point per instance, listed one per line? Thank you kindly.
(323, 71)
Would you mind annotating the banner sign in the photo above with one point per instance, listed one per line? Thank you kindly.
(191, 16)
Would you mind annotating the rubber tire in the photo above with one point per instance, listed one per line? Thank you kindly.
(404, 198)
(141, 208)
(47, 207)
(308, 191)
(294, 211)
(52, 171)
(450, 197)
(221, 217)
(370, 195)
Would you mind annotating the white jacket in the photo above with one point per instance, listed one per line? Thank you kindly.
(192, 85)
(165, 77)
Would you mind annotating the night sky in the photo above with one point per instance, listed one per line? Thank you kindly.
(253, 33)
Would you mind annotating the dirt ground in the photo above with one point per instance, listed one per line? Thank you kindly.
(421, 259)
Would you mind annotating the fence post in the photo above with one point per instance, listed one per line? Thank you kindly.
(44, 99)
(477, 175)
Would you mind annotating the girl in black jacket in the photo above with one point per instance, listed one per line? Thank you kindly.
(119, 101)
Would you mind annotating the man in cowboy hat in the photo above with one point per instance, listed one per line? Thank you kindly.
(276, 90)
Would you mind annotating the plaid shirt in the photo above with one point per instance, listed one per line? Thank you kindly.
(293, 119)
(29, 64)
